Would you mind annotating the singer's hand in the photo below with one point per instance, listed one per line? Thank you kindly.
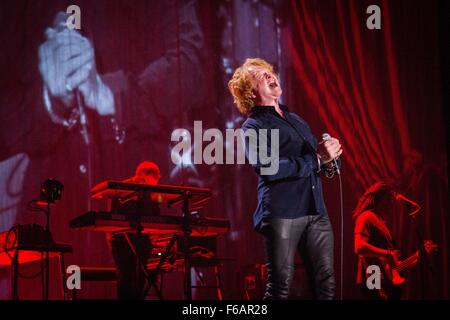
(66, 60)
(66, 64)
(329, 150)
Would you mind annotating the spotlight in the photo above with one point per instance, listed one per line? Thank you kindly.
(51, 191)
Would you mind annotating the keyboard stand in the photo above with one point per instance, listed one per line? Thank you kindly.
(26, 254)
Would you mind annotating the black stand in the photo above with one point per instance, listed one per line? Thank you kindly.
(186, 227)
(35, 241)
(15, 277)
(46, 245)
(183, 196)
(187, 257)
(150, 277)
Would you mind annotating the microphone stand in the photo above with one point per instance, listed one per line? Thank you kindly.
(47, 236)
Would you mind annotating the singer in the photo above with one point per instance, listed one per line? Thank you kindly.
(291, 213)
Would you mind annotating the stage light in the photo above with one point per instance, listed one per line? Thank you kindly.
(51, 191)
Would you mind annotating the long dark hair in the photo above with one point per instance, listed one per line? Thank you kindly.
(371, 197)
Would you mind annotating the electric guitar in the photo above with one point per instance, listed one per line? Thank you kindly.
(393, 266)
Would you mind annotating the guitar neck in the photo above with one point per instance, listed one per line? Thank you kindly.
(409, 262)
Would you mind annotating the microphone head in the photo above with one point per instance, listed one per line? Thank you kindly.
(399, 196)
(326, 136)
(60, 20)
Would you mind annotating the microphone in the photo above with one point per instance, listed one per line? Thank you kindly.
(60, 25)
(399, 196)
(326, 136)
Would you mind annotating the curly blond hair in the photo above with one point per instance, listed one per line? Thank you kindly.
(241, 86)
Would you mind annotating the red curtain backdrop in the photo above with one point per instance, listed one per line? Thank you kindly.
(167, 64)
(379, 92)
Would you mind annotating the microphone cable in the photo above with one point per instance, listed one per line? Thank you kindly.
(341, 203)
(325, 137)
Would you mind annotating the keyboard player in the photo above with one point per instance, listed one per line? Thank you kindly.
(130, 276)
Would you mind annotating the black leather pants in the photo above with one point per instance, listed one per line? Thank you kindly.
(312, 237)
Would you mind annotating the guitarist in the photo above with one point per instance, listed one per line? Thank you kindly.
(374, 244)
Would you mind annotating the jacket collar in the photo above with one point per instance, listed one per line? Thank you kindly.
(258, 109)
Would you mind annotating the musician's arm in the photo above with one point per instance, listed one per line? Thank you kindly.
(364, 248)
(363, 229)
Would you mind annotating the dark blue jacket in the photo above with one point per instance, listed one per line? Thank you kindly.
(295, 190)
